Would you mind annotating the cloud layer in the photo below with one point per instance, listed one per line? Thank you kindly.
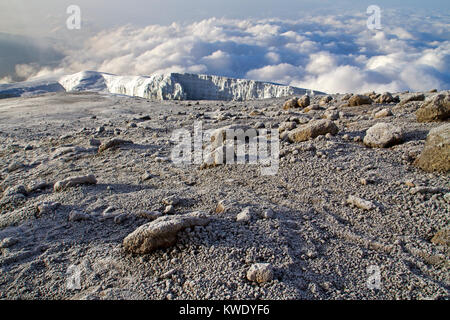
(327, 53)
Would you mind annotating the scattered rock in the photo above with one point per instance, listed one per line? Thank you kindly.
(15, 166)
(312, 130)
(268, 214)
(304, 101)
(325, 100)
(47, 207)
(73, 181)
(260, 272)
(435, 109)
(383, 113)
(386, 98)
(113, 143)
(383, 135)
(359, 100)
(8, 242)
(425, 190)
(244, 216)
(290, 104)
(414, 97)
(149, 215)
(360, 203)
(224, 205)
(78, 216)
(162, 232)
(442, 237)
(436, 152)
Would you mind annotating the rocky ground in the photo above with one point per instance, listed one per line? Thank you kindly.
(346, 201)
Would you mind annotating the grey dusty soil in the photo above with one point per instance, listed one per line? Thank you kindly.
(318, 245)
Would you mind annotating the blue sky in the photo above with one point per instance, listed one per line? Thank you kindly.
(323, 45)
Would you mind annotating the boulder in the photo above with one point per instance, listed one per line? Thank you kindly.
(359, 100)
(383, 135)
(313, 129)
(162, 232)
(304, 101)
(413, 97)
(434, 109)
(435, 155)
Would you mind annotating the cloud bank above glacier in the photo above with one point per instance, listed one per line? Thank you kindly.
(331, 53)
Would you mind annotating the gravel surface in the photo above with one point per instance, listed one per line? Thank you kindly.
(335, 214)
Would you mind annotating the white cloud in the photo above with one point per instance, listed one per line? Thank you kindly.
(326, 53)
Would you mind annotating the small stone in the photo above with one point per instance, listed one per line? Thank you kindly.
(162, 232)
(359, 100)
(94, 142)
(268, 214)
(76, 216)
(15, 166)
(47, 207)
(360, 203)
(244, 215)
(290, 104)
(149, 215)
(260, 272)
(312, 130)
(442, 237)
(383, 113)
(74, 181)
(170, 209)
(224, 205)
(8, 242)
(113, 143)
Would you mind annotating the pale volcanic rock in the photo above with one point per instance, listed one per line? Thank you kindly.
(74, 181)
(383, 135)
(312, 130)
(162, 232)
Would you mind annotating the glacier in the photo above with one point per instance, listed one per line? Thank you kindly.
(171, 86)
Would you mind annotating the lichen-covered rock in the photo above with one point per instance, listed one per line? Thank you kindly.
(73, 181)
(162, 232)
(386, 98)
(434, 109)
(313, 129)
(260, 272)
(383, 135)
(359, 100)
(435, 155)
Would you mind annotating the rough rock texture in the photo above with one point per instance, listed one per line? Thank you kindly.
(435, 155)
(383, 135)
(435, 109)
(290, 104)
(312, 130)
(162, 232)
